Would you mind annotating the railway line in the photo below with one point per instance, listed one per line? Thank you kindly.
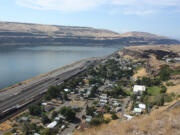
(16, 103)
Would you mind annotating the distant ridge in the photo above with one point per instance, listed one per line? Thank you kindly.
(12, 33)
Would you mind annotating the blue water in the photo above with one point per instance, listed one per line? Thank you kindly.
(21, 63)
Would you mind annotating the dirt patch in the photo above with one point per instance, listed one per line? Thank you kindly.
(174, 89)
(140, 73)
(5, 125)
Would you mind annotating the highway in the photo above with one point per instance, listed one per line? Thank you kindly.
(28, 94)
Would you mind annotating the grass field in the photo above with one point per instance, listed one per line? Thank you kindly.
(155, 90)
(176, 72)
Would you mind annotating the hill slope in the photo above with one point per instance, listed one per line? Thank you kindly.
(32, 34)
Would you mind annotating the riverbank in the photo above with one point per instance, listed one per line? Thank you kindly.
(19, 87)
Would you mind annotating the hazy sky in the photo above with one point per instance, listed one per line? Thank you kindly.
(155, 16)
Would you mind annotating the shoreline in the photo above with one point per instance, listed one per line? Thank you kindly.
(43, 75)
(50, 73)
(14, 99)
(51, 76)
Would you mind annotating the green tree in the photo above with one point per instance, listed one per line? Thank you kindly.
(68, 112)
(45, 119)
(53, 92)
(165, 72)
(54, 114)
(90, 110)
(47, 132)
(35, 109)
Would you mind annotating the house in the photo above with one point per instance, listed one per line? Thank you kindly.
(48, 108)
(88, 93)
(101, 110)
(101, 105)
(139, 89)
(142, 106)
(52, 124)
(88, 118)
(61, 117)
(43, 104)
(128, 117)
(103, 101)
(103, 97)
(36, 134)
(83, 126)
(57, 118)
(168, 60)
(66, 90)
(63, 127)
(117, 109)
(24, 119)
(116, 103)
(137, 111)
(177, 60)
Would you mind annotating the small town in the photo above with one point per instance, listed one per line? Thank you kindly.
(110, 90)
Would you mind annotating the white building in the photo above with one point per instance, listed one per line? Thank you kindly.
(103, 96)
(43, 104)
(88, 118)
(139, 89)
(52, 124)
(36, 134)
(128, 117)
(103, 101)
(142, 106)
(66, 90)
(137, 110)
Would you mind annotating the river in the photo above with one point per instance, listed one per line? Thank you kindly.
(19, 63)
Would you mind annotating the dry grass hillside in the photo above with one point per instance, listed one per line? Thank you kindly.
(159, 122)
(28, 33)
(54, 30)
(141, 53)
(142, 34)
(173, 48)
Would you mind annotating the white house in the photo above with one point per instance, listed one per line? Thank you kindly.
(128, 117)
(139, 88)
(142, 106)
(103, 101)
(88, 118)
(36, 134)
(52, 124)
(104, 97)
(66, 90)
(43, 104)
(137, 110)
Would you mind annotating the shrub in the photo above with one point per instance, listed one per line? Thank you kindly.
(114, 116)
(169, 84)
(163, 89)
(96, 121)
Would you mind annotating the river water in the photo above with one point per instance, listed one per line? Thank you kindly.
(21, 63)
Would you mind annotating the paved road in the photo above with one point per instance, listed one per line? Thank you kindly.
(37, 89)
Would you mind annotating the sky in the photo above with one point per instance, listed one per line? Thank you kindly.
(155, 16)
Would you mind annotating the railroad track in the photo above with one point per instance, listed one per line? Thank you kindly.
(14, 105)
